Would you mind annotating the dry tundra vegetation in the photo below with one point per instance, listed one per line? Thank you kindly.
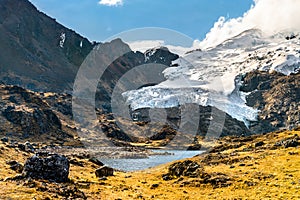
(254, 167)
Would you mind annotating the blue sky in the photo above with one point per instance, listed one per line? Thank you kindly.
(98, 22)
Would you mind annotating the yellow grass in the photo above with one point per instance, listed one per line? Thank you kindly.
(269, 174)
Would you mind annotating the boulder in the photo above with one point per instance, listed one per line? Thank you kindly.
(4, 139)
(186, 168)
(47, 166)
(96, 161)
(27, 147)
(104, 171)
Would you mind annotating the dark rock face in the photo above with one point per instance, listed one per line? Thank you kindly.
(29, 116)
(47, 166)
(160, 55)
(33, 55)
(104, 172)
(32, 121)
(258, 80)
(276, 96)
(120, 66)
(114, 132)
(166, 132)
(209, 116)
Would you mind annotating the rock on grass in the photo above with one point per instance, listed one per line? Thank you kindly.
(104, 172)
(47, 166)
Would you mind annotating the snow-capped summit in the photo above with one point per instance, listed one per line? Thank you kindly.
(211, 76)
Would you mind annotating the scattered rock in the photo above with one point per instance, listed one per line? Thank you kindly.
(67, 191)
(16, 166)
(76, 162)
(104, 171)
(290, 143)
(194, 147)
(15, 178)
(217, 180)
(153, 186)
(286, 143)
(21, 147)
(293, 153)
(167, 177)
(47, 166)
(249, 183)
(4, 139)
(27, 147)
(186, 168)
(259, 144)
(30, 183)
(224, 147)
(96, 161)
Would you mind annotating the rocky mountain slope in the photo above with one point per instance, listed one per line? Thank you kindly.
(125, 63)
(276, 96)
(37, 52)
(251, 77)
(29, 116)
(42, 55)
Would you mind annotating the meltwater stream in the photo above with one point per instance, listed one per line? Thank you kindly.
(152, 161)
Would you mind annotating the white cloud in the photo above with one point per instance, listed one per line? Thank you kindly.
(270, 16)
(111, 2)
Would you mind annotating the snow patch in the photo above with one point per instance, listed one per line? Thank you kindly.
(62, 40)
(210, 77)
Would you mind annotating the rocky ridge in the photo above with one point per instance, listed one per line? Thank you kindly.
(277, 98)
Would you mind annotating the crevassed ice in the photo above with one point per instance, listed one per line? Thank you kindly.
(209, 77)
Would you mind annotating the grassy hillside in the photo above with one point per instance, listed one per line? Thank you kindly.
(256, 167)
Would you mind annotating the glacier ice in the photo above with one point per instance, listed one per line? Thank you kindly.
(208, 77)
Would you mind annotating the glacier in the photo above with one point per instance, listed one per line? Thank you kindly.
(211, 77)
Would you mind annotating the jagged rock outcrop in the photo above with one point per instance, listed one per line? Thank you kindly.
(277, 96)
(47, 166)
(26, 115)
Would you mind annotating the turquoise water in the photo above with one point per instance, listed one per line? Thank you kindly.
(152, 161)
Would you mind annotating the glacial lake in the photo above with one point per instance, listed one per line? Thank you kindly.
(136, 164)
